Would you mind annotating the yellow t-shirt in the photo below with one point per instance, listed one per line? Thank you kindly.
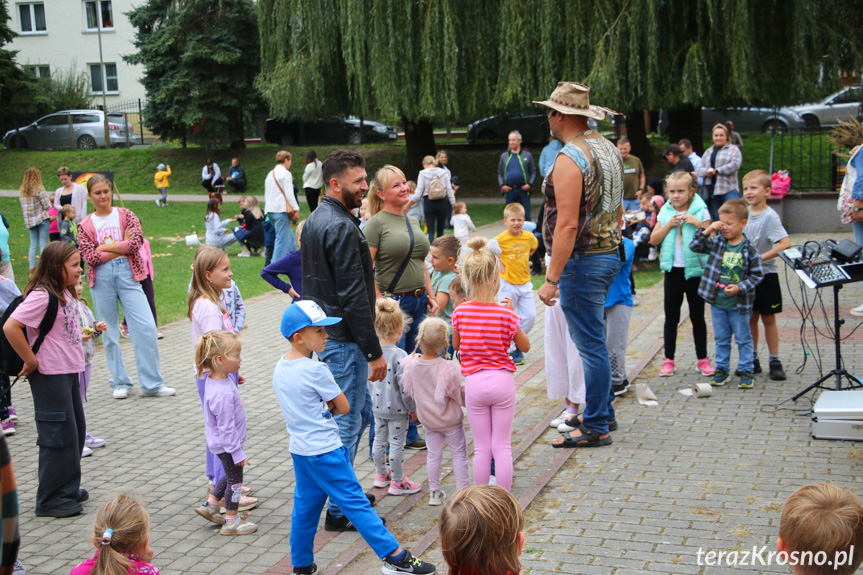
(515, 255)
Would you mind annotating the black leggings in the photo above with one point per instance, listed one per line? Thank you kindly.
(435, 213)
(312, 195)
(676, 285)
(231, 484)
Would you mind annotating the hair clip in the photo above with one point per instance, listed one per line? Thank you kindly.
(494, 247)
(106, 536)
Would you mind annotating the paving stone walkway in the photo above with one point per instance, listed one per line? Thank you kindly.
(689, 474)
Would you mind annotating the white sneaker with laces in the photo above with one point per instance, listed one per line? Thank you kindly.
(238, 527)
(86, 452)
(163, 391)
(121, 393)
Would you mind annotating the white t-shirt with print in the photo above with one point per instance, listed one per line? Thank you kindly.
(108, 229)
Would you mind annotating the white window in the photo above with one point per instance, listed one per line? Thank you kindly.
(104, 82)
(32, 17)
(41, 72)
(99, 15)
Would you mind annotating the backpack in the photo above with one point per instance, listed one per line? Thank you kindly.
(11, 363)
(437, 191)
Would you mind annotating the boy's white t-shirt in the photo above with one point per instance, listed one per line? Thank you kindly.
(679, 257)
(107, 228)
(303, 386)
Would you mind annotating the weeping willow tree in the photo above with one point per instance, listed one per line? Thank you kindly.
(431, 60)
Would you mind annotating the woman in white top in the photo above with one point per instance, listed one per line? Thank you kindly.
(313, 179)
(436, 210)
(70, 193)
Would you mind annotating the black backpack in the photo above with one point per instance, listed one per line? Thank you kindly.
(11, 363)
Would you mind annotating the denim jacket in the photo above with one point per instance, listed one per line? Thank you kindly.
(751, 273)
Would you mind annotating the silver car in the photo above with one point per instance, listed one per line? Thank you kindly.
(845, 104)
(88, 131)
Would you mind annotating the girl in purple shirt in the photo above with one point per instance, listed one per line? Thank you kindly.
(217, 355)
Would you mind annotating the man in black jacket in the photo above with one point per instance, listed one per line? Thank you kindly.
(338, 275)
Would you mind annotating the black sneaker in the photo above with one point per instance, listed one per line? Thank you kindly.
(620, 388)
(333, 523)
(68, 511)
(408, 564)
(83, 495)
(776, 371)
(306, 570)
(756, 366)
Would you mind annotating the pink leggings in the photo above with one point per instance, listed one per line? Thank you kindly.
(458, 449)
(490, 402)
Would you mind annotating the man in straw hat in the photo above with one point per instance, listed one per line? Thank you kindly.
(584, 197)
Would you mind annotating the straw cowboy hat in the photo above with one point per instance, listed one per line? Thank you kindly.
(572, 98)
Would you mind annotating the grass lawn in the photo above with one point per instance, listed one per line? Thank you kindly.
(644, 279)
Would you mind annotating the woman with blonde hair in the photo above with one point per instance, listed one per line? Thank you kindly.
(434, 190)
(35, 205)
(719, 166)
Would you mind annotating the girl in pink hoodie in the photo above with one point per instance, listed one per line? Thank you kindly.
(435, 384)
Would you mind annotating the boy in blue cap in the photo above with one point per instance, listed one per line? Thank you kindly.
(309, 397)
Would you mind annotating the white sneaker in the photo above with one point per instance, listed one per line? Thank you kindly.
(121, 393)
(858, 311)
(651, 254)
(436, 497)
(86, 452)
(158, 203)
(238, 527)
(163, 391)
(559, 419)
(244, 255)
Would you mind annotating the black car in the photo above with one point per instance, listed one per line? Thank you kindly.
(333, 130)
(533, 128)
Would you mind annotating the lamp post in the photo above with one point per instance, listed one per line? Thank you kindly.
(102, 76)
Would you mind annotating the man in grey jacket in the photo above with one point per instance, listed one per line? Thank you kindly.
(516, 172)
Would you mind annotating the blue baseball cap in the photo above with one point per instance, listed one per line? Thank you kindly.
(302, 314)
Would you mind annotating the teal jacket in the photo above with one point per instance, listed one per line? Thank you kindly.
(694, 267)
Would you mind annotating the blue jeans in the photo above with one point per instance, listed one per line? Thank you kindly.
(583, 288)
(725, 324)
(632, 205)
(414, 308)
(285, 239)
(331, 475)
(717, 201)
(350, 369)
(114, 284)
(38, 240)
(519, 196)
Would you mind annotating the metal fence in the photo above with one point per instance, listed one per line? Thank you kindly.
(132, 111)
(807, 155)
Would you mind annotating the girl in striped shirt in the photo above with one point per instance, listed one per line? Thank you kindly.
(482, 332)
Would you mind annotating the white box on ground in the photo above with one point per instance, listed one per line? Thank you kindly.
(838, 415)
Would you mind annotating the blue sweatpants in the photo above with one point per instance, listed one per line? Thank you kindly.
(332, 475)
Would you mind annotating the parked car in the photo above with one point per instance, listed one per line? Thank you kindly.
(745, 119)
(845, 104)
(88, 130)
(332, 130)
(533, 128)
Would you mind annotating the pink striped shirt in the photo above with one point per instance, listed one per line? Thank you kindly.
(485, 331)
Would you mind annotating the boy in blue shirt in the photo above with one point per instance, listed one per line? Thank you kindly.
(309, 397)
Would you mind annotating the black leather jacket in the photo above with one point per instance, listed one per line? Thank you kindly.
(339, 276)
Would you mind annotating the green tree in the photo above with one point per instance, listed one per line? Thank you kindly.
(200, 59)
(21, 97)
(428, 60)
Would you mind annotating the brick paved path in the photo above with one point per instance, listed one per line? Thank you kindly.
(690, 473)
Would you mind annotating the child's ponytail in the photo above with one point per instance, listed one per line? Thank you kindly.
(121, 526)
(390, 320)
(210, 345)
(432, 335)
(480, 265)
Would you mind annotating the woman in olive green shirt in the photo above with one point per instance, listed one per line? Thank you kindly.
(389, 242)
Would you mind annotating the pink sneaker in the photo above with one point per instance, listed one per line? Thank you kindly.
(8, 427)
(404, 487)
(704, 366)
(667, 367)
(383, 480)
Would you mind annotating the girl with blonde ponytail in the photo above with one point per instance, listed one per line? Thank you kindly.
(482, 332)
(121, 535)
